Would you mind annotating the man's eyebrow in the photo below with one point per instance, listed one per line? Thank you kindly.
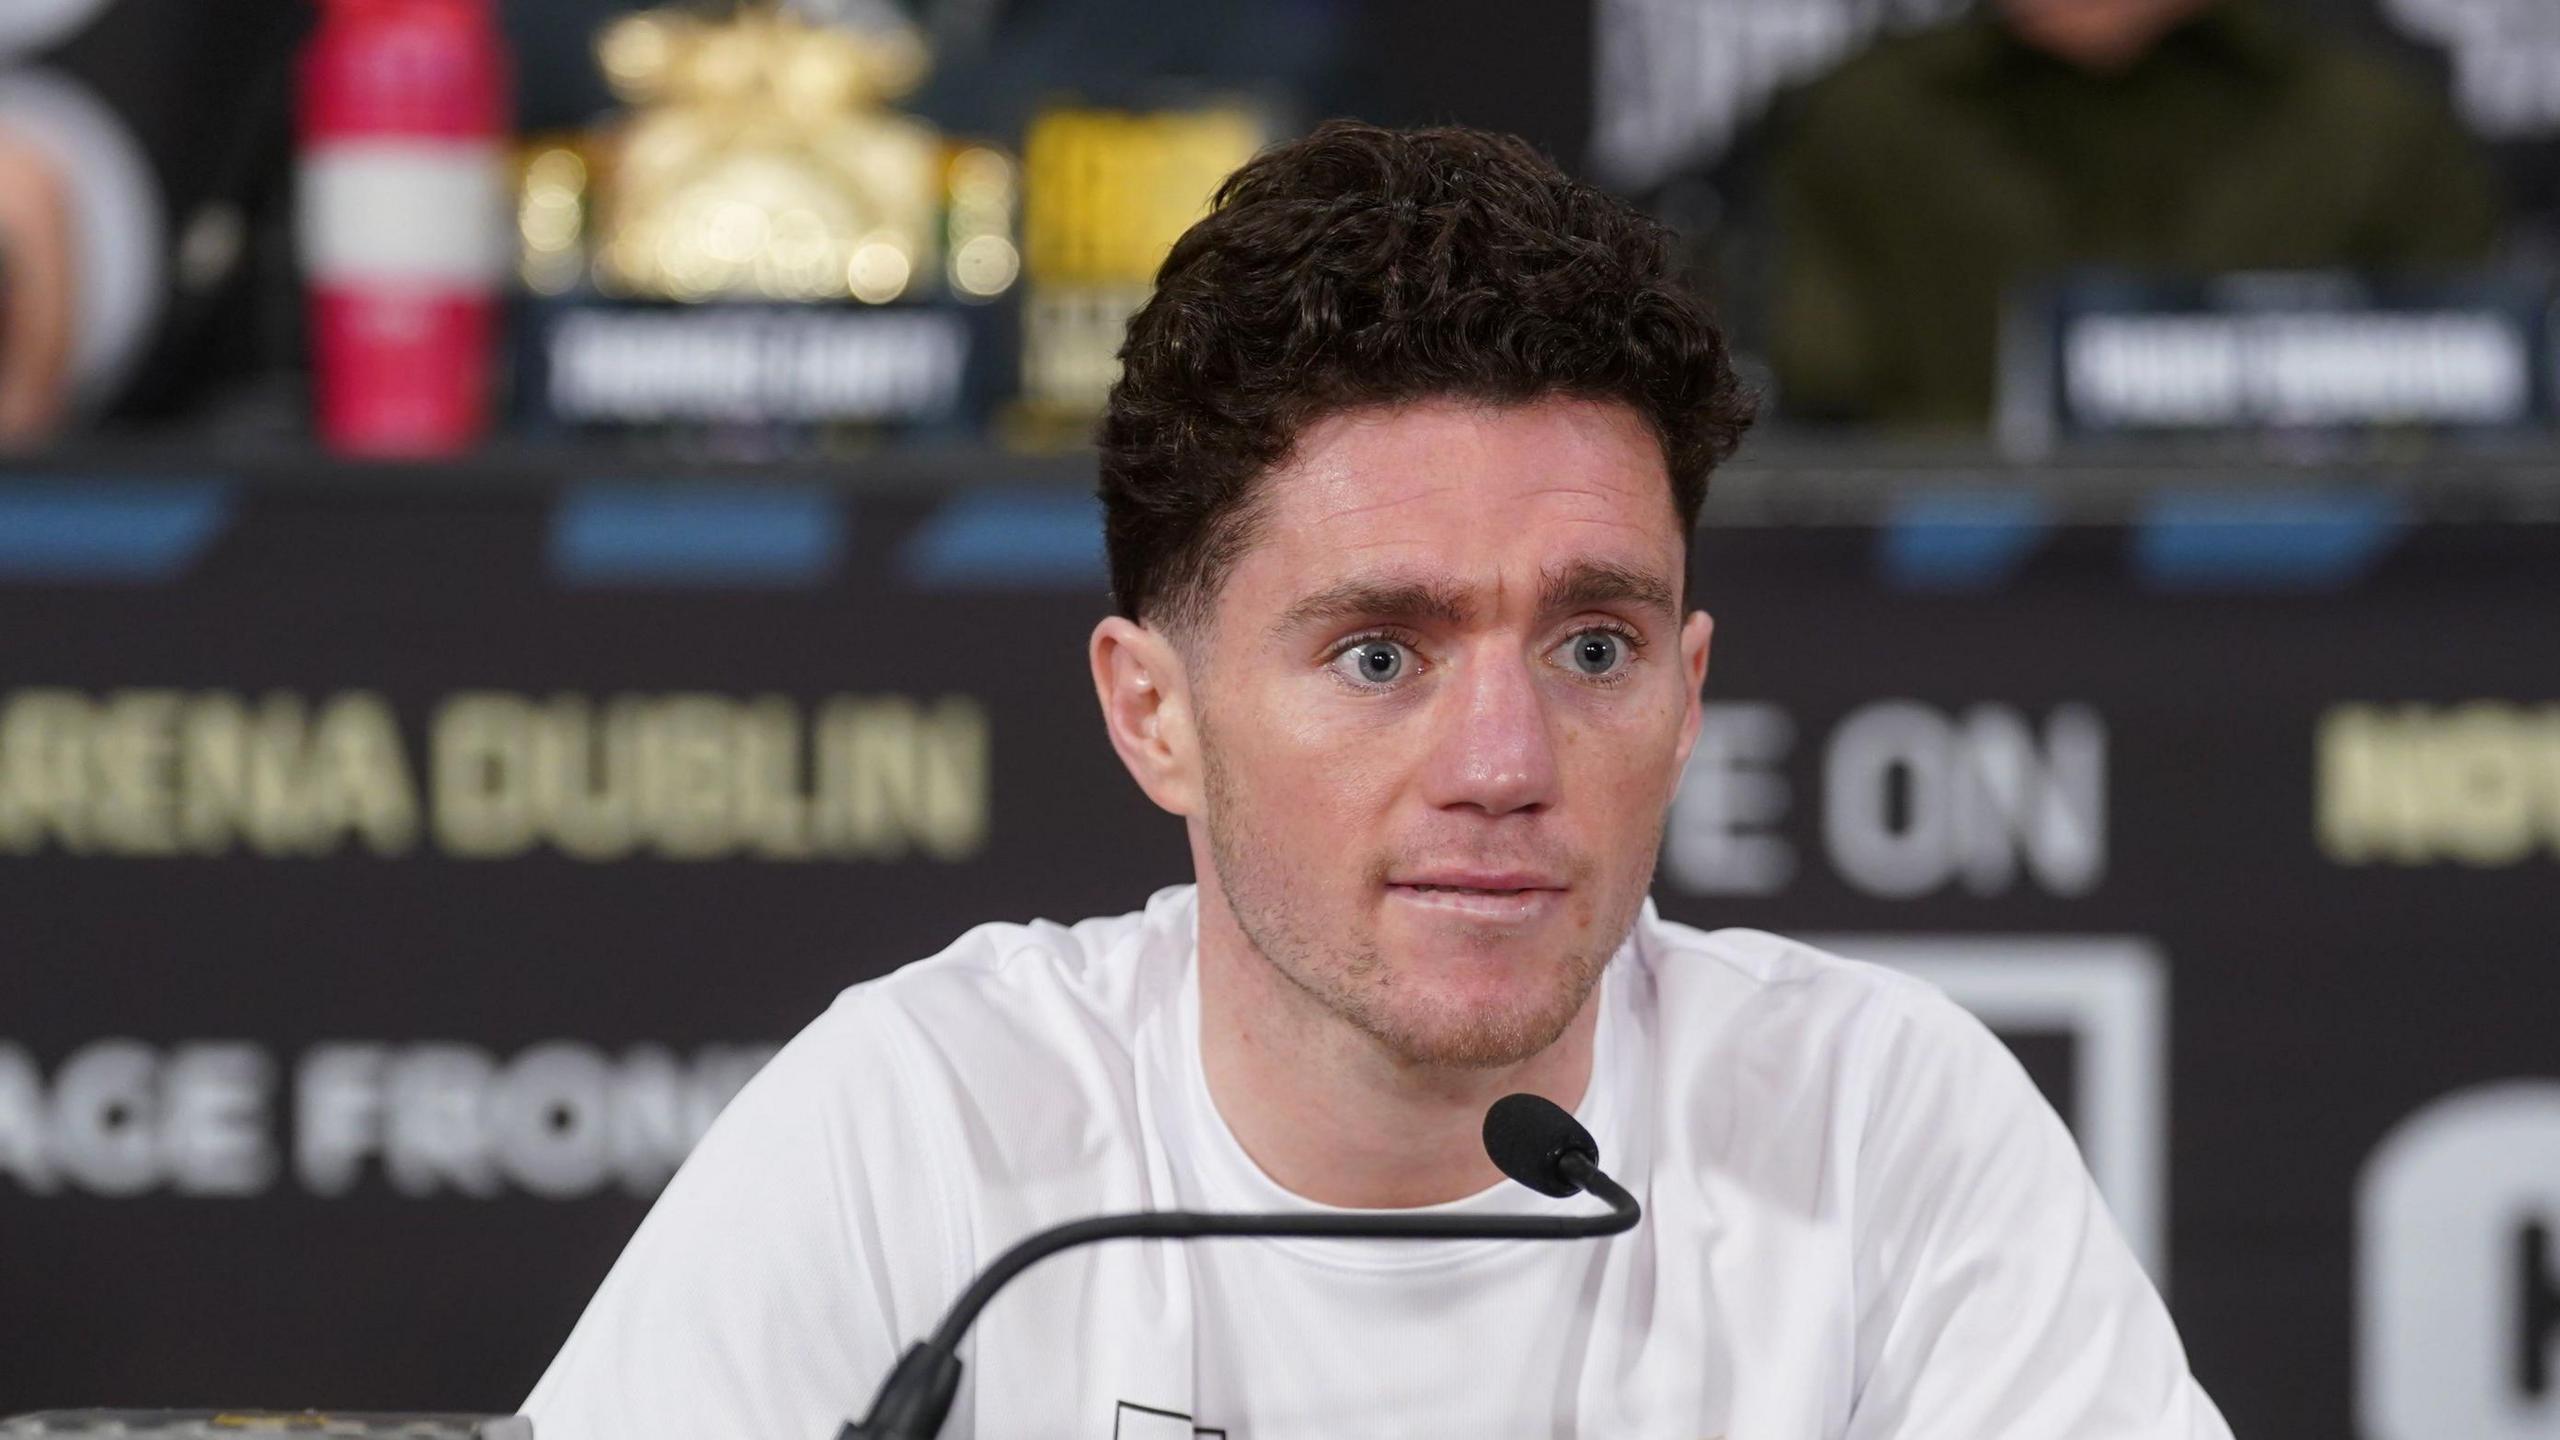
(1367, 599)
(1585, 584)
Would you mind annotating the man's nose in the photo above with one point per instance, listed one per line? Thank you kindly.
(1494, 750)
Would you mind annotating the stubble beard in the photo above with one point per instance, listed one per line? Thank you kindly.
(1354, 981)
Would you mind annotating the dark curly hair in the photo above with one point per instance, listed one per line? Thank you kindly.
(1363, 266)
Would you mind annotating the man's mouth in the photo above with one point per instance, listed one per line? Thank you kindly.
(1487, 896)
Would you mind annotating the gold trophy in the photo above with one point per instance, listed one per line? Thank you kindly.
(760, 160)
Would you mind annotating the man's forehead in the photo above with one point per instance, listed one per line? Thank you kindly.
(1472, 503)
(1435, 461)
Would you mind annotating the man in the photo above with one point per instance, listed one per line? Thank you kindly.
(1927, 181)
(1398, 482)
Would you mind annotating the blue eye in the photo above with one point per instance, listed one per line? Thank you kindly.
(1373, 662)
(1596, 653)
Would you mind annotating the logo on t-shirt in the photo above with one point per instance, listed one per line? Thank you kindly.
(1145, 1422)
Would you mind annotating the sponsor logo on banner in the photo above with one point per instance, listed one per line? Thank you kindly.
(1915, 799)
(683, 776)
(655, 365)
(2474, 784)
(120, 1118)
(2458, 1271)
(1132, 1421)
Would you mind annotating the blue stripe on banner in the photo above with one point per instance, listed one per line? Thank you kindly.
(1010, 540)
(1962, 539)
(696, 534)
(122, 530)
(2300, 540)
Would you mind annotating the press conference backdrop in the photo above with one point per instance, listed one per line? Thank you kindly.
(397, 873)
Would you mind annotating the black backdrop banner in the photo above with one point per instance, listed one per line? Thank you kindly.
(395, 882)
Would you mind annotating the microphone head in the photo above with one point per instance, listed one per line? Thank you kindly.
(1527, 1135)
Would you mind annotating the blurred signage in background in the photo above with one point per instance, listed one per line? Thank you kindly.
(2106, 355)
(1106, 193)
(759, 248)
(226, 1119)
(1913, 800)
(145, 773)
(2505, 58)
(640, 365)
(1679, 82)
(2474, 784)
(397, 884)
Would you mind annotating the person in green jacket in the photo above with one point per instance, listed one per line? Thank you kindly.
(1927, 179)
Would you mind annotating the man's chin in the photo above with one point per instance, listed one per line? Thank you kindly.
(1471, 1011)
(1460, 1038)
(1473, 982)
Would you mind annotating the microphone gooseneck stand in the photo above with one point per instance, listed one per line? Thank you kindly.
(1530, 1138)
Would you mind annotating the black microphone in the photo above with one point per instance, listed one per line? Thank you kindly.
(1530, 1138)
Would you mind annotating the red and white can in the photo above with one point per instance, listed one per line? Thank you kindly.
(402, 221)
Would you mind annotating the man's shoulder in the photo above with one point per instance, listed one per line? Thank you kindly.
(1892, 1062)
(1778, 968)
(1106, 962)
(1789, 1001)
(1025, 1007)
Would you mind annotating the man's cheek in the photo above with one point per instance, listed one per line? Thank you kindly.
(1340, 771)
(1312, 795)
(1630, 747)
(1632, 786)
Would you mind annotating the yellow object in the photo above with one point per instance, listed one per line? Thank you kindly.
(761, 161)
(1106, 193)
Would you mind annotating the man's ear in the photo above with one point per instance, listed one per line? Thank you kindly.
(1699, 629)
(1146, 706)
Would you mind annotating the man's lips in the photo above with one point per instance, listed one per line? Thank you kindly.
(1479, 882)
(1505, 898)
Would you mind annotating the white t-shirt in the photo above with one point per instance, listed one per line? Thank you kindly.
(1861, 1220)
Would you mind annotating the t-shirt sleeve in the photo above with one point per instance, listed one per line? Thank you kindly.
(1996, 1298)
(798, 1251)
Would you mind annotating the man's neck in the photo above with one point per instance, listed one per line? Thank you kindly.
(1327, 1112)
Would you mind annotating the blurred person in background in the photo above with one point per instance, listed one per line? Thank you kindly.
(1918, 186)
(140, 143)
(35, 290)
